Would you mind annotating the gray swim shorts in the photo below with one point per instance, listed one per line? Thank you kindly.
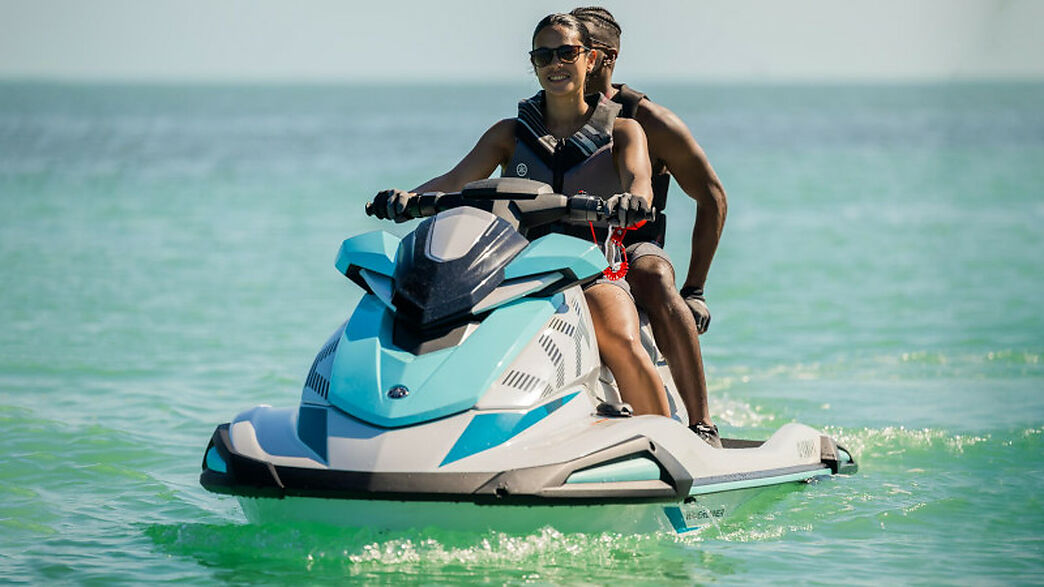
(634, 252)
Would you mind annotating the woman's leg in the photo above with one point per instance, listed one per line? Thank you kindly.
(616, 328)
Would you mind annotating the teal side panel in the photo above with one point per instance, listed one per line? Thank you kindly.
(555, 252)
(367, 364)
(311, 429)
(677, 520)
(488, 430)
(374, 251)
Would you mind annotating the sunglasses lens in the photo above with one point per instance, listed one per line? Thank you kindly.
(541, 57)
(568, 53)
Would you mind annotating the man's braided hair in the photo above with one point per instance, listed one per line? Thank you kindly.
(604, 29)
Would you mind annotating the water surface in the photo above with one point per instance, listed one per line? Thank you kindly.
(167, 258)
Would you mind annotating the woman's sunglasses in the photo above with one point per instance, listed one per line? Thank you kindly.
(566, 54)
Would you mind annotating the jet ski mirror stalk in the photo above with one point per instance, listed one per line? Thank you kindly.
(522, 203)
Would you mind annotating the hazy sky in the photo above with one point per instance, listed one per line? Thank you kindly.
(406, 40)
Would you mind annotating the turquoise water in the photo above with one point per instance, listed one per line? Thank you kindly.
(167, 258)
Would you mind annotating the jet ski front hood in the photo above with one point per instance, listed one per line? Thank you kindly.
(375, 381)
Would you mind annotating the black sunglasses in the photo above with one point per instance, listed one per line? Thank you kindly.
(566, 54)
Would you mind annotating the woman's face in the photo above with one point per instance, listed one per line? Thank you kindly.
(559, 77)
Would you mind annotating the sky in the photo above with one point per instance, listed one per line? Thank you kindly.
(485, 41)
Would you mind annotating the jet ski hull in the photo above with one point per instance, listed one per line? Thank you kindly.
(635, 518)
(673, 483)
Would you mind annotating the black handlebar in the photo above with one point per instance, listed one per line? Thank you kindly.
(577, 209)
(418, 206)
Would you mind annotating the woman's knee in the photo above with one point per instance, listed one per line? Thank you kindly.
(614, 314)
(620, 342)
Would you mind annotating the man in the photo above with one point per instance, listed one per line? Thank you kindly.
(677, 319)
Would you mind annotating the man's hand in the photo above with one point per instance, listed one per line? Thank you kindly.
(391, 205)
(697, 304)
(628, 208)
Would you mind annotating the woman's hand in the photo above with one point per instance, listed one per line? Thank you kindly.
(391, 205)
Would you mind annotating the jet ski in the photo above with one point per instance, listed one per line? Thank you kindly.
(465, 391)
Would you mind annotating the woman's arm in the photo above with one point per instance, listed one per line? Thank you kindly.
(631, 155)
(493, 149)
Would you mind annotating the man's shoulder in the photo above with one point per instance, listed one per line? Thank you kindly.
(659, 121)
(655, 118)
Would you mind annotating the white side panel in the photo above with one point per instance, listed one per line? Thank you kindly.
(244, 439)
(562, 357)
(357, 446)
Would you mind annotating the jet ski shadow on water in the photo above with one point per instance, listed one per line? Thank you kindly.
(465, 391)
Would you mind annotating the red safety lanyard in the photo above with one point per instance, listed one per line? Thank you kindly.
(617, 255)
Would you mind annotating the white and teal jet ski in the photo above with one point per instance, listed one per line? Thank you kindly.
(465, 391)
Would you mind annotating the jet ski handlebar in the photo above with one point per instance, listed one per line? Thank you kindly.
(527, 209)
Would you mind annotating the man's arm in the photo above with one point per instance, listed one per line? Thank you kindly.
(671, 142)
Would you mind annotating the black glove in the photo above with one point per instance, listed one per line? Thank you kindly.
(391, 205)
(627, 208)
(697, 304)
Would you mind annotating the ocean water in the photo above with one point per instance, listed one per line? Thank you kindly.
(167, 260)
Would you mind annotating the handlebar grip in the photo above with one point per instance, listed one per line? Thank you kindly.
(586, 208)
(418, 206)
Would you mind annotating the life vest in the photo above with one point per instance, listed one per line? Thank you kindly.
(580, 162)
(583, 161)
(655, 231)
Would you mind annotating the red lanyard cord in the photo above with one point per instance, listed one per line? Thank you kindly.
(616, 270)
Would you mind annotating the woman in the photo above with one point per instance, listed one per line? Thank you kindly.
(574, 143)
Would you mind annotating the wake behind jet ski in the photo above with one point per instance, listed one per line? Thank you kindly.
(465, 391)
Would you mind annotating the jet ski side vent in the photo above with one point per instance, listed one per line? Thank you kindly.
(555, 355)
(584, 337)
(562, 326)
(316, 381)
(521, 380)
(318, 384)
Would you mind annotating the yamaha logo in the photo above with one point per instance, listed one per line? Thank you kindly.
(398, 392)
(521, 170)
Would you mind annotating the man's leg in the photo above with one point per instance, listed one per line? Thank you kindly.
(652, 284)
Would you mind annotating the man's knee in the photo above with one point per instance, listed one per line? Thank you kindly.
(652, 280)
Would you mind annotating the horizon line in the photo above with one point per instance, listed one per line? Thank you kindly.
(505, 81)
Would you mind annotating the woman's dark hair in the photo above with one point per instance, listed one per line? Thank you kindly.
(564, 20)
(601, 24)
